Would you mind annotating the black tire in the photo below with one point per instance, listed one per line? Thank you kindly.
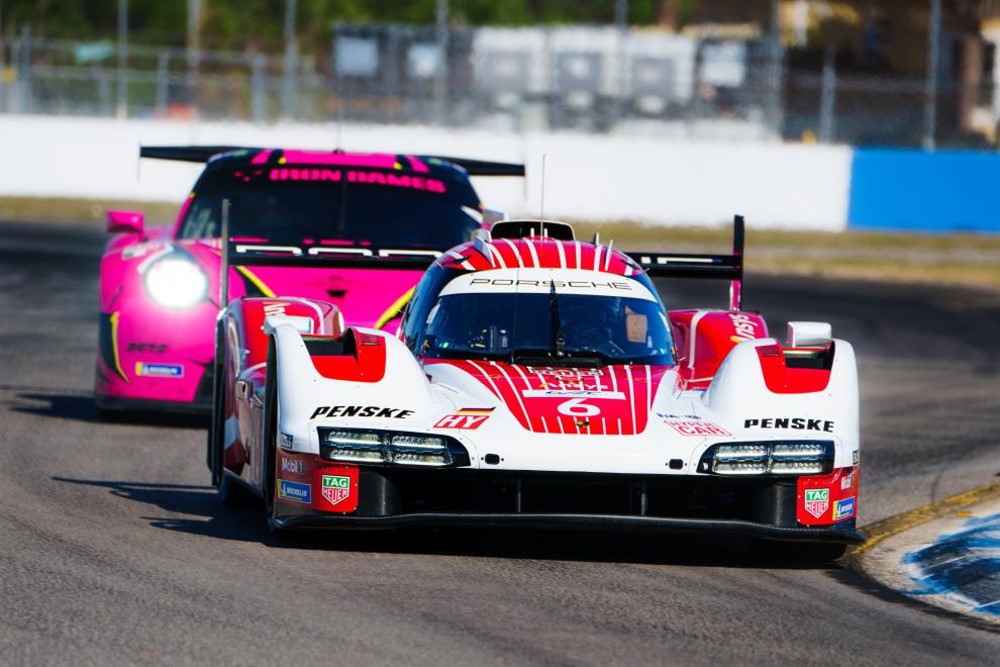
(235, 495)
(269, 467)
(215, 445)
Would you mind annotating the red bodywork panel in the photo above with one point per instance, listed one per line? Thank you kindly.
(827, 499)
(703, 338)
(246, 358)
(782, 379)
(367, 365)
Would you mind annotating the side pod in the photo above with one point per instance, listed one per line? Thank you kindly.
(302, 388)
(740, 390)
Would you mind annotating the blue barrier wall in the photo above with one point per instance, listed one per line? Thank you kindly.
(944, 191)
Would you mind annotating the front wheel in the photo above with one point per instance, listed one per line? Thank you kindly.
(270, 442)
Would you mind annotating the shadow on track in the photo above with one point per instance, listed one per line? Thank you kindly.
(213, 519)
(80, 407)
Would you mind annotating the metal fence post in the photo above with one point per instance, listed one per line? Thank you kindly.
(931, 90)
(162, 82)
(290, 88)
(121, 110)
(258, 89)
(828, 97)
(22, 99)
(775, 116)
(441, 73)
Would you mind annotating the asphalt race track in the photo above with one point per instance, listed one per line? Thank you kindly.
(114, 550)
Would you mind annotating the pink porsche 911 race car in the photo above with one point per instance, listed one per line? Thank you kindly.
(160, 288)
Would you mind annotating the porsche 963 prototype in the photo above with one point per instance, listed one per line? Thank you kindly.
(537, 380)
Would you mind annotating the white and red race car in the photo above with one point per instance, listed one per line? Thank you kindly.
(538, 381)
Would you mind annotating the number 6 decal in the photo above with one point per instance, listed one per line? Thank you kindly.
(575, 407)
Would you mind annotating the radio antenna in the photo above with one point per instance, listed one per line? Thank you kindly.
(541, 213)
(224, 282)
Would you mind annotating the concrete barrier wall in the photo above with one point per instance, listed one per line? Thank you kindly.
(648, 179)
(913, 190)
(659, 181)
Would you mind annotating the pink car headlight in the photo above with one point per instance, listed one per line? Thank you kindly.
(176, 283)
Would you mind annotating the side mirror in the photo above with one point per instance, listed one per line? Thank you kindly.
(125, 222)
(491, 216)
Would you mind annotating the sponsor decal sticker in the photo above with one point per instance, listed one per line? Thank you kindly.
(697, 428)
(336, 488)
(285, 441)
(855, 457)
(558, 284)
(293, 466)
(746, 328)
(360, 411)
(796, 423)
(843, 509)
(817, 501)
(466, 418)
(159, 370)
(847, 481)
(566, 373)
(353, 176)
(597, 393)
(153, 348)
(295, 491)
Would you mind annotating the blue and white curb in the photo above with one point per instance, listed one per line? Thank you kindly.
(951, 562)
(962, 566)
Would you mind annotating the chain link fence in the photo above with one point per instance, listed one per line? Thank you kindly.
(595, 79)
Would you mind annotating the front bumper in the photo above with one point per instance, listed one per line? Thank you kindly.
(841, 534)
(389, 497)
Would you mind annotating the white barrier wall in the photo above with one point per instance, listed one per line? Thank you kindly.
(594, 177)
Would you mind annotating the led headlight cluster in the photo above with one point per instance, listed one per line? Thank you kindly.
(176, 282)
(387, 447)
(794, 457)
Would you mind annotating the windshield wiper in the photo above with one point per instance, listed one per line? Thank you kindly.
(558, 337)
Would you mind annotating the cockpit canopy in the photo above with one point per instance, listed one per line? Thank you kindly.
(535, 316)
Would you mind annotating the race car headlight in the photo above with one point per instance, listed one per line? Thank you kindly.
(387, 447)
(175, 282)
(806, 457)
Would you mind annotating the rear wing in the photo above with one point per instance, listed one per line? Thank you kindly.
(239, 253)
(205, 153)
(682, 265)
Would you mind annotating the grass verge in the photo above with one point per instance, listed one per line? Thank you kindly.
(971, 259)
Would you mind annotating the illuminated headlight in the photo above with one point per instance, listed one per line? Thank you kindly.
(359, 446)
(813, 457)
(175, 282)
(385, 447)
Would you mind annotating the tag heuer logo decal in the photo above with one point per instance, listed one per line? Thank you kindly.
(817, 501)
(336, 489)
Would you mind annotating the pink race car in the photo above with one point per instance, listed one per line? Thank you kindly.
(160, 288)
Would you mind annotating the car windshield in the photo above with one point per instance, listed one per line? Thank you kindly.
(527, 327)
(388, 210)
